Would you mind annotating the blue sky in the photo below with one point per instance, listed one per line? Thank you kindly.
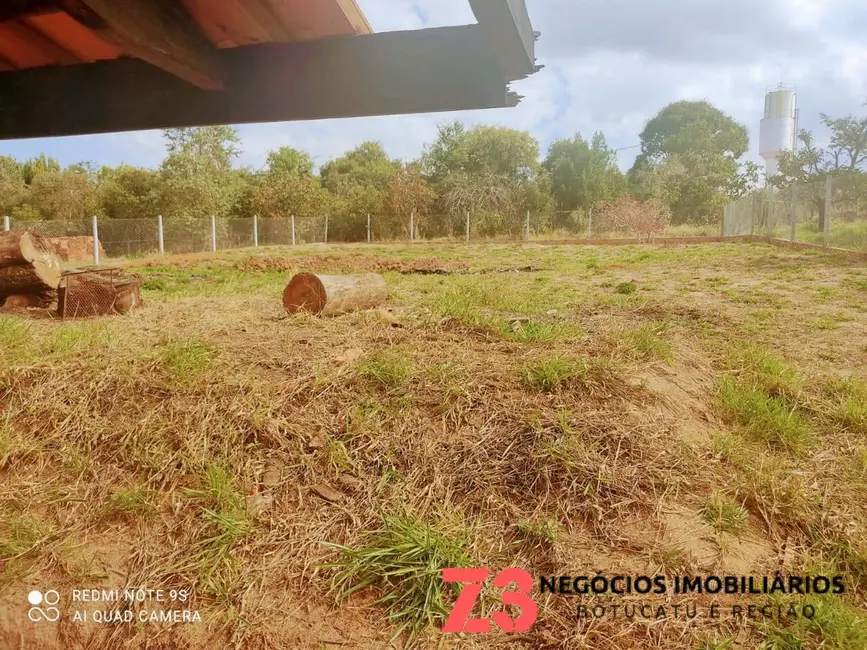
(610, 65)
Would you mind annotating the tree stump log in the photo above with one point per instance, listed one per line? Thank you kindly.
(21, 247)
(330, 295)
(28, 267)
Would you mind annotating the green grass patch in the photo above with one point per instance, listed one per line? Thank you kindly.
(538, 531)
(133, 502)
(765, 418)
(835, 625)
(404, 560)
(184, 361)
(725, 515)
(22, 535)
(646, 342)
(390, 368)
(626, 288)
(551, 373)
(764, 371)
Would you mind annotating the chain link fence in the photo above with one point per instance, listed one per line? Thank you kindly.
(796, 214)
(830, 212)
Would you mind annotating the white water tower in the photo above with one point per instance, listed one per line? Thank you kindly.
(779, 126)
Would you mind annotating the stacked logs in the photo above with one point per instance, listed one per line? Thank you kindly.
(29, 270)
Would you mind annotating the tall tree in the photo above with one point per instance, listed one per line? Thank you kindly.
(690, 152)
(197, 178)
(287, 160)
(583, 173)
(845, 160)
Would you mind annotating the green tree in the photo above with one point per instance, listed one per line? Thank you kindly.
(689, 159)
(69, 194)
(197, 179)
(287, 160)
(845, 159)
(42, 164)
(673, 131)
(358, 182)
(129, 192)
(583, 173)
(12, 187)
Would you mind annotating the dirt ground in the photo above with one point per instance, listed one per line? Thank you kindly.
(636, 410)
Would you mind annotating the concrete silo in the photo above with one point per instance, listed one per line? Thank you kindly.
(779, 126)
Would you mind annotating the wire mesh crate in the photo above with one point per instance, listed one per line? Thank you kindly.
(97, 292)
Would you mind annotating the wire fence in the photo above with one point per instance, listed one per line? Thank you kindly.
(131, 238)
(831, 212)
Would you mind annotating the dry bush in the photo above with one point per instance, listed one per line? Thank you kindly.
(628, 214)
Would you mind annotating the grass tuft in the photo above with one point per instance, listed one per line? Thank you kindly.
(404, 560)
(646, 342)
(724, 515)
(388, 368)
(184, 361)
(767, 419)
(551, 373)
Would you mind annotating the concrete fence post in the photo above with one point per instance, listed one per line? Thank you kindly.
(753, 214)
(160, 236)
(412, 226)
(794, 225)
(293, 229)
(6, 224)
(829, 204)
(213, 234)
(590, 223)
(468, 226)
(255, 231)
(368, 227)
(95, 232)
(326, 228)
(527, 235)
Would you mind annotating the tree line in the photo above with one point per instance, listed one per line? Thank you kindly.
(690, 165)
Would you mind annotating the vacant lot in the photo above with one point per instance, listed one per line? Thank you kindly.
(567, 410)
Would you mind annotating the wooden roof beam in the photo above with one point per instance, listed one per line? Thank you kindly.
(159, 32)
(10, 9)
(394, 73)
(509, 34)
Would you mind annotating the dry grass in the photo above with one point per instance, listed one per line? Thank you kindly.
(548, 420)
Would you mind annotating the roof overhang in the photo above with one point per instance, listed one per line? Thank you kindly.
(145, 64)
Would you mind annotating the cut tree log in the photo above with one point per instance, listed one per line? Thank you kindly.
(35, 279)
(28, 266)
(330, 295)
(19, 247)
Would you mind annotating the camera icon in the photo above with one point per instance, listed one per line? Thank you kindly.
(43, 606)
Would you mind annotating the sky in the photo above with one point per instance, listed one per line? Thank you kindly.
(610, 66)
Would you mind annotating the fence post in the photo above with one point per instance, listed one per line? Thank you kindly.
(753, 216)
(326, 228)
(293, 229)
(527, 235)
(468, 226)
(794, 235)
(95, 229)
(590, 224)
(829, 203)
(5, 224)
(255, 231)
(213, 234)
(160, 238)
(368, 227)
(412, 226)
